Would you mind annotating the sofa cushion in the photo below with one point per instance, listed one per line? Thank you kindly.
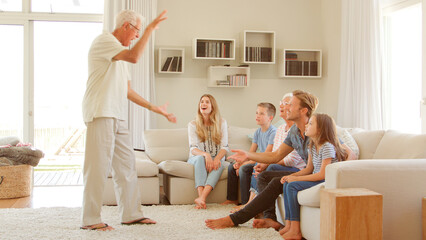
(144, 168)
(184, 169)
(396, 145)
(311, 196)
(12, 140)
(367, 142)
(347, 139)
(237, 138)
(167, 144)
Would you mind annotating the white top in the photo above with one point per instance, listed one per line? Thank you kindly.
(106, 88)
(208, 146)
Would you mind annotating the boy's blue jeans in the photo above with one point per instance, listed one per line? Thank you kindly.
(291, 205)
(202, 177)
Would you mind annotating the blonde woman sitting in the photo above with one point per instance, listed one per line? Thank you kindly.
(208, 145)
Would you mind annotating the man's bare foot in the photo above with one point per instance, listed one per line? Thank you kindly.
(200, 203)
(284, 229)
(266, 223)
(237, 208)
(219, 223)
(292, 235)
(98, 227)
(230, 202)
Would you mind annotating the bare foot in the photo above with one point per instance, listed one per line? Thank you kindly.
(266, 223)
(292, 235)
(219, 223)
(200, 203)
(285, 229)
(237, 208)
(230, 202)
(98, 227)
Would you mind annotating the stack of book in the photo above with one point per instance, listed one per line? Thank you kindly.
(239, 80)
(214, 49)
(301, 68)
(258, 54)
(172, 64)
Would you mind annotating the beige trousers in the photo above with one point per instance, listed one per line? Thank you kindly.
(109, 145)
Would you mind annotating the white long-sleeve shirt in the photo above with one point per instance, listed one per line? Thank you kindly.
(208, 146)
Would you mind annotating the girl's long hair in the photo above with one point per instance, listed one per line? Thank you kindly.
(215, 119)
(326, 132)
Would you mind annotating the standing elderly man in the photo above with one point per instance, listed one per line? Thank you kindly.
(108, 139)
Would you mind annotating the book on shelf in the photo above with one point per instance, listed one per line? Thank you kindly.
(313, 68)
(174, 64)
(166, 64)
(201, 49)
(258, 54)
(180, 64)
(293, 68)
(237, 80)
(291, 56)
(305, 68)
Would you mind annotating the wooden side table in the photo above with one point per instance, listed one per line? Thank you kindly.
(351, 213)
(424, 218)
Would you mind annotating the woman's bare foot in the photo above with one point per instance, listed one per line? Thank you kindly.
(200, 203)
(266, 223)
(230, 202)
(292, 235)
(219, 223)
(237, 208)
(98, 227)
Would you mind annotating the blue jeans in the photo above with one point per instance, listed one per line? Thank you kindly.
(291, 205)
(202, 177)
(279, 167)
(244, 175)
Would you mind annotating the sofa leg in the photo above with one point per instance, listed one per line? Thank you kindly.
(351, 213)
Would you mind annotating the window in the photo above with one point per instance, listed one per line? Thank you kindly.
(403, 68)
(68, 6)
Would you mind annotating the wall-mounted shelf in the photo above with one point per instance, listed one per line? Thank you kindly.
(213, 48)
(228, 77)
(258, 47)
(300, 63)
(171, 60)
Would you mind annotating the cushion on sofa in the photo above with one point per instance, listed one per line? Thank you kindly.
(367, 142)
(144, 168)
(184, 169)
(311, 196)
(12, 140)
(166, 144)
(237, 138)
(395, 145)
(347, 139)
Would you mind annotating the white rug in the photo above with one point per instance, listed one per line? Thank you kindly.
(173, 222)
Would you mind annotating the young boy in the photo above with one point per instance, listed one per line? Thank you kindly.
(263, 141)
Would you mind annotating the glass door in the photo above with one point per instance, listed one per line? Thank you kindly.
(12, 80)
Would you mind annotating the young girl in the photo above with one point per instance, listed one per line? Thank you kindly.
(324, 149)
(208, 144)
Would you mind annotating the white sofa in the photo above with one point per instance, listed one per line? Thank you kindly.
(392, 164)
(170, 149)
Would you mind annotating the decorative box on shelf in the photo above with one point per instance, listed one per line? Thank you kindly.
(228, 77)
(171, 60)
(300, 63)
(258, 47)
(213, 48)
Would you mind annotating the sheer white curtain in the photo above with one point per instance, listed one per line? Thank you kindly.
(360, 100)
(142, 72)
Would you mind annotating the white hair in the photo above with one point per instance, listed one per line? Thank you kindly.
(287, 95)
(129, 16)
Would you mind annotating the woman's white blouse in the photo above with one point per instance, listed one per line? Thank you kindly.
(208, 146)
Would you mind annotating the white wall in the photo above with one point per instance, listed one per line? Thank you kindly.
(304, 24)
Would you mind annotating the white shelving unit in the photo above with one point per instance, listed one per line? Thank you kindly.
(171, 60)
(220, 73)
(300, 63)
(258, 47)
(213, 48)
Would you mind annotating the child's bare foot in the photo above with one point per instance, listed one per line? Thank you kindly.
(230, 202)
(98, 227)
(266, 223)
(292, 235)
(200, 203)
(219, 223)
(285, 229)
